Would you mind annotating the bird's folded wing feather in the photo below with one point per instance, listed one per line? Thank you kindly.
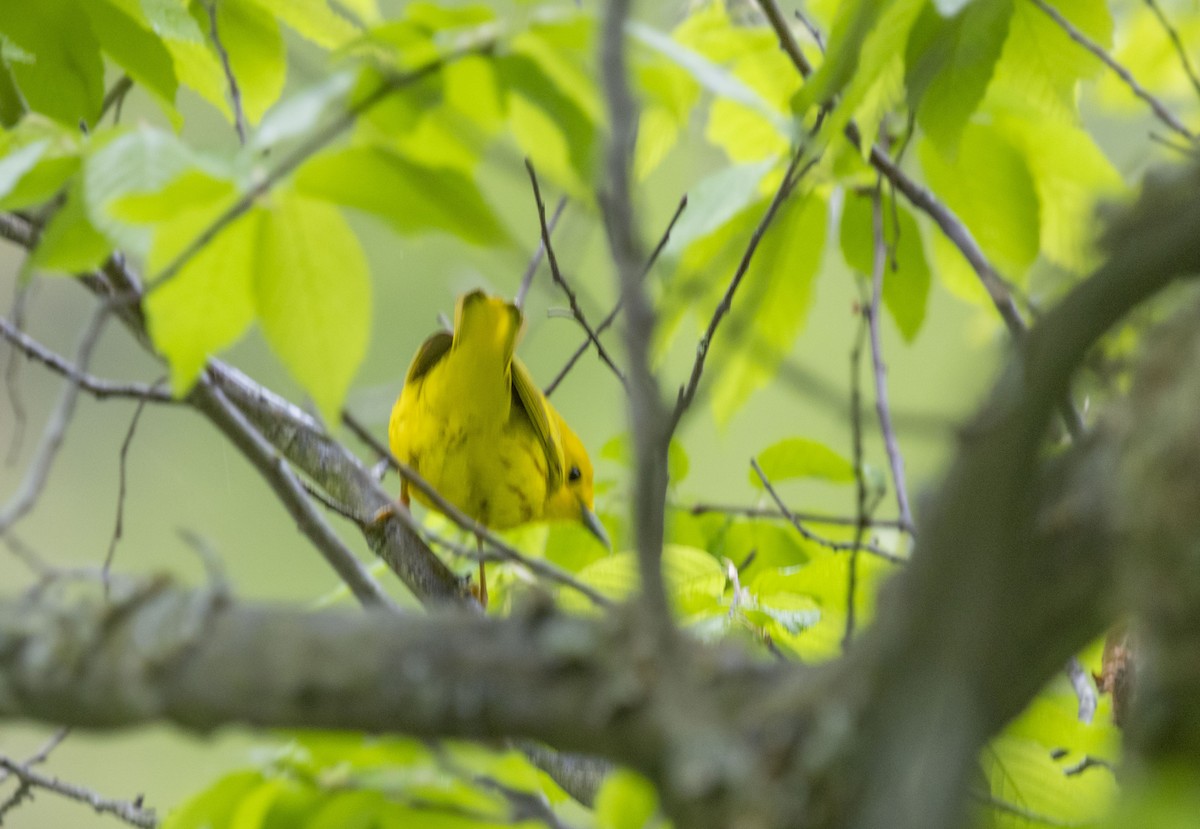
(535, 405)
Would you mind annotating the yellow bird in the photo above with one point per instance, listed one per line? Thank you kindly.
(471, 421)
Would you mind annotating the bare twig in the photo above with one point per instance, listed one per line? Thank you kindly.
(12, 371)
(1089, 762)
(119, 527)
(776, 513)
(882, 404)
(1180, 49)
(805, 532)
(812, 30)
(289, 162)
(213, 402)
(24, 789)
(500, 550)
(114, 98)
(326, 501)
(127, 811)
(235, 94)
(1160, 110)
(538, 254)
(616, 309)
(790, 178)
(100, 389)
(572, 299)
(860, 484)
(56, 428)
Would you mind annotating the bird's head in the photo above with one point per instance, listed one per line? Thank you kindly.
(573, 500)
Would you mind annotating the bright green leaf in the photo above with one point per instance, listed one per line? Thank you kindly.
(854, 22)
(950, 63)
(143, 160)
(989, 187)
(70, 243)
(209, 303)
(313, 20)
(313, 295)
(214, 806)
(906, 271)
(299, 114)
(411, 197)
(793, 458)
(15, 164)
(715, 200)
(1040, 67)
(772, 303)
(686, 570)
(625, 801)
(251, 37)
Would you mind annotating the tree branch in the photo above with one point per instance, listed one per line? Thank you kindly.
(124, 810)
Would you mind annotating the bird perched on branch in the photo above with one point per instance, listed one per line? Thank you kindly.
(472, 423)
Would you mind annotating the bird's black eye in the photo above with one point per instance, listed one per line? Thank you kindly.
(574, 474)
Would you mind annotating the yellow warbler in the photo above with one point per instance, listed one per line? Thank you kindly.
(471, 421)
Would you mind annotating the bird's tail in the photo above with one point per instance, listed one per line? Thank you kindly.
(487, 326)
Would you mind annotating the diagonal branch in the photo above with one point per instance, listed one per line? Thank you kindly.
(616, 309)
(1177, 42)
(536, 260)
(124, 810)
(233, 423)
(790, 178)
(572, 299)
(235, 94)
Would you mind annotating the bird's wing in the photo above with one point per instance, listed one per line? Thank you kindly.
(530, 398)
(428, 355)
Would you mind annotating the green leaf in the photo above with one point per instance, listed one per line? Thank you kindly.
(618, 449)
(715, 200)
(989, 186)
(171, 21)
(133, 46)
(313, 295)
(209, 303)
(772, 304)
(214, 806)
(950, 63)
(625, 801)
(550, 126)
(854, 22)
(314, 20)
(687, 570)
(793, 458)
(61, 74)
(1071, 176)
(906, 285)
(251, 36)
(411, 197)
(1023, 772)
(70, 243)
(16, 163)
(1040, 67)
(143, 160)
(299, 114)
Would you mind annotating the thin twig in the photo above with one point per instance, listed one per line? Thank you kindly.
(1177, 42)
(805, 532)
(503, 552)
(56, 428)
(776, 514)
(100, 389)
(114, 98)
(882, 404)
(119, 527)
(122, 809)
(572, 299)
(235, 94)
(279, 475)
(812, 30)
(790, 178)
(1160, 110)
(538, 254)
(289, 162)
(616, 309)
(12, 371)
(330, 504)
(860, 484)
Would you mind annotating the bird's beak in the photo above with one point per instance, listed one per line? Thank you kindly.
(594, 526)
